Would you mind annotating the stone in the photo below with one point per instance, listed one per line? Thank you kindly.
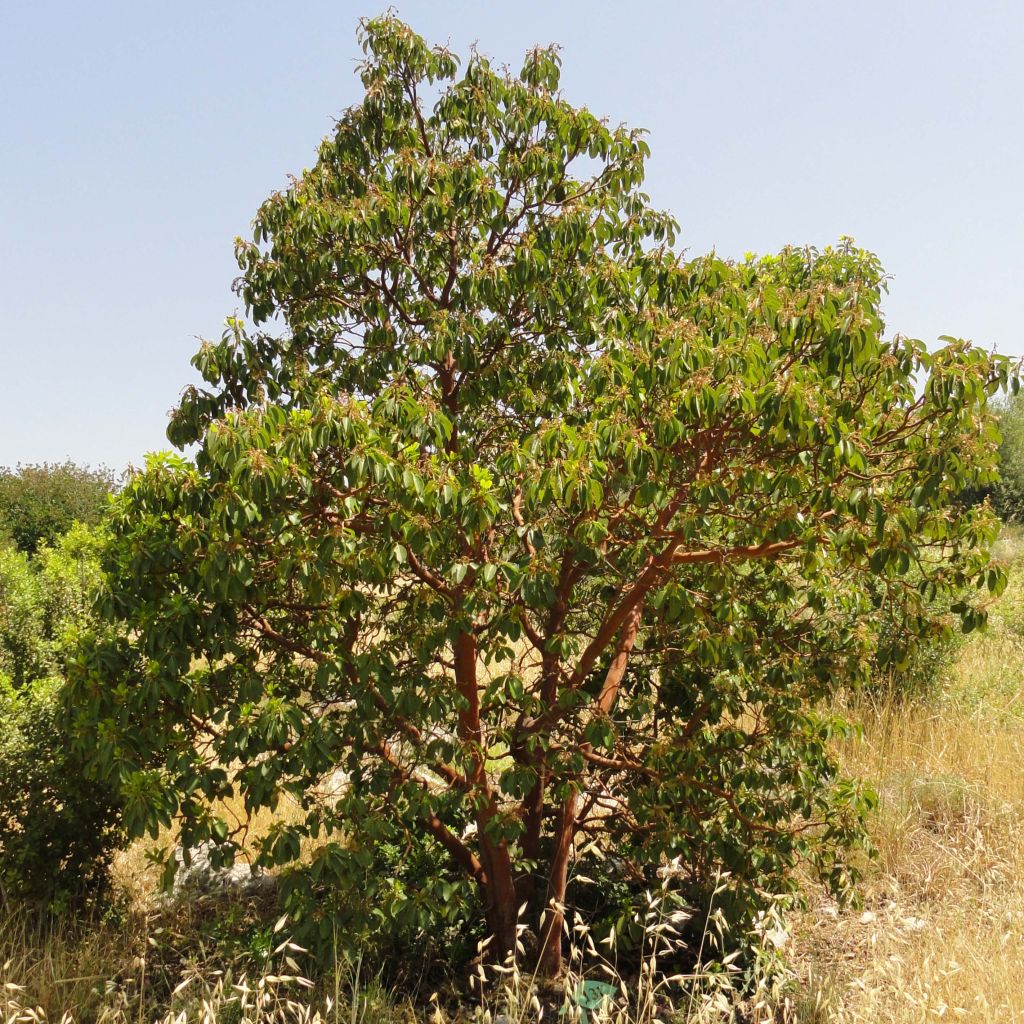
(201, 876)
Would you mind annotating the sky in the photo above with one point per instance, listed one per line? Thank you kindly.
(137, 139)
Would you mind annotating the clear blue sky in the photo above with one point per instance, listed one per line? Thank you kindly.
(138, 138)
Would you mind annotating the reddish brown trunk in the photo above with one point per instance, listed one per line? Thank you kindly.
(501, 924)
(550, 962)
(533, 805)
(494, 856)
(532, 813)
(551, 931)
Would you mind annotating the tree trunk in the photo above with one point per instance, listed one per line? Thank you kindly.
(554, 913)
(501, 924)
(494, 854)
(501, 902)
(550, 961)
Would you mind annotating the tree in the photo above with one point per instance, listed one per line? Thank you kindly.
(38, 503)
(538, 531)
(1007, 496)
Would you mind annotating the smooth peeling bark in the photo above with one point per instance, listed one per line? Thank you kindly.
(499, 889)
(553, 917)
(552, 926)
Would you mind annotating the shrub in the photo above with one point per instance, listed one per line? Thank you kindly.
(25, 652)
(70, 578)
(408, 914)
(58, 828)
(1008, 494)
(910, 656)
(45, 600)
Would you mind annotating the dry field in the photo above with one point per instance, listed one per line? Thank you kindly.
(940, 933)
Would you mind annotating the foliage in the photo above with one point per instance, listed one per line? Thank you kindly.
(536, 530)
(410, 914)
(909, 664)
(24, 651)
(45, 600)
(38, 503)
(1005, 493)
(58, 829)
(1008, 494)
(69, 579)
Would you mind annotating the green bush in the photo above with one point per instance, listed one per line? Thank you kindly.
(39, 503)
(58, 828)
(404, 911)
(908, 663)
(25, 653)
(69, 578)
(1008, 494)
(45, 599)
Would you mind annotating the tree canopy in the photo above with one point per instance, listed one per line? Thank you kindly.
(534, 533)
(39, 503)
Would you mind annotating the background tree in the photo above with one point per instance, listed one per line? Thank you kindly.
(537, 531)
(24, 649)
(1007, 495)
(46, 599)
(38, 503)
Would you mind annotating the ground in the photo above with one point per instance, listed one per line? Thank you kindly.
(941, 929)
(939, 933)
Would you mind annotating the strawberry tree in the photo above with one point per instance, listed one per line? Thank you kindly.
(535, 533)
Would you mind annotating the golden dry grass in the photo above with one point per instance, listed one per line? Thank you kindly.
(939, 935)
(941, 931)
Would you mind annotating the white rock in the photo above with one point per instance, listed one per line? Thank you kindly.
(202, 876)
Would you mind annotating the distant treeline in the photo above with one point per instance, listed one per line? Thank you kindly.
(1007, 497)
(39, 503)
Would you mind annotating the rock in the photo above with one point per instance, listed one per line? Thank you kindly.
(335, 785)
(201, 876)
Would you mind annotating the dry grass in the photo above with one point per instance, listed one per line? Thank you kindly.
(41, 984)
(134, 971)
(941, 931)
(940, 934)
